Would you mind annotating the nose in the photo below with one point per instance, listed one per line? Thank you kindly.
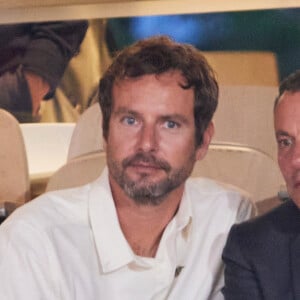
(148, 139)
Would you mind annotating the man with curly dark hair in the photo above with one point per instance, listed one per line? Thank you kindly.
(143, 229)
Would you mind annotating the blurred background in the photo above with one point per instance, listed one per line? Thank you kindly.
(275, 30)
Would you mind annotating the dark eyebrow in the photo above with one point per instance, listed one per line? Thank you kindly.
(281, 133)
(176, 117)
(124, 110)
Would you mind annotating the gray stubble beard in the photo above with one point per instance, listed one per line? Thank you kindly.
(144, 192)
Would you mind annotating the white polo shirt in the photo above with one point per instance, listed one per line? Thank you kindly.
(68, 245)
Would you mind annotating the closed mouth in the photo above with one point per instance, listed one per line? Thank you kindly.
(145, 165)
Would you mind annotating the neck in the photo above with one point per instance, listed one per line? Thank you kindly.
(143, 225)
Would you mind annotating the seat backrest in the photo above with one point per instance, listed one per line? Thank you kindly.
(242, 166)
(78, 171)
(245, 116)
(87, 134)
(14, 183)
(244, 67)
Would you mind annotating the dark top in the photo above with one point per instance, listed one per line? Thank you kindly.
(262, 257)
(44, 48)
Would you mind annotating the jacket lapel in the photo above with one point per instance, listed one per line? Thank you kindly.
(287, 222)
(295, 265)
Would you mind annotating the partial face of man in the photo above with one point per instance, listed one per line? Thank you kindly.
(287, 130)
(151, 146)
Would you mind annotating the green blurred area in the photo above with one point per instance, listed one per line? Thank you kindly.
(265, 30)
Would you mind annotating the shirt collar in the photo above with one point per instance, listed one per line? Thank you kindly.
(184, 214)
(113, 249)
(176, 237)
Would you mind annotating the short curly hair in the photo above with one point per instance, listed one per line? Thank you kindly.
(157, 55)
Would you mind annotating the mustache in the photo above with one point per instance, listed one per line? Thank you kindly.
(146, 158)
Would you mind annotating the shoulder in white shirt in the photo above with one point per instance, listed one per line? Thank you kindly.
(68, 245)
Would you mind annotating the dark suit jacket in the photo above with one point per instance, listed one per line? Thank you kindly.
(262, 257)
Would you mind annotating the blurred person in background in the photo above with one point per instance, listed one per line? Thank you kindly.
(33, 59)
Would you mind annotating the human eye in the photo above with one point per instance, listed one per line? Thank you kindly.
(284, 142)
(170, 124)
(129, 120)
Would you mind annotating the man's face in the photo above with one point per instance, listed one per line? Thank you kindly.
(287, 130)
(151, 147)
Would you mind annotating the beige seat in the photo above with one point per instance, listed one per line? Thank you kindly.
(78, 171)
(14, 183)
(244, 67)
(267, 204)
(87, 134)
(245, 116)
(244, 167)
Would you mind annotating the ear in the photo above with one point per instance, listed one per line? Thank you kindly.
(207, 136)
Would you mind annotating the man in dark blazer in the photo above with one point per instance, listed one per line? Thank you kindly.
(262, 256)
